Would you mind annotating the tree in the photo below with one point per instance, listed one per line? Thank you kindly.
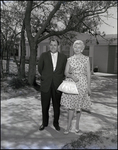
(80, 16)
(12, 29)
(9, 33)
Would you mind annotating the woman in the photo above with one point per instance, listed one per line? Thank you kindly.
(77, 70)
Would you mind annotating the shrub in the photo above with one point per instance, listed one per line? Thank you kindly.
(17, 83)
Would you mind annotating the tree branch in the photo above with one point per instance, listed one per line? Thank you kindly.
(106, 23)
(100, 11)
(3, 36)
(27, 20)
(48, 20)
(91, 33)
(38, 5)
(54, 33)
(68, 38)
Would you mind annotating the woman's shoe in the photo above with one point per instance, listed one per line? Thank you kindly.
(66, 131)
(77, 130)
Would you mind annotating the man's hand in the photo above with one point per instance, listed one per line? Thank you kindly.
(38, 75)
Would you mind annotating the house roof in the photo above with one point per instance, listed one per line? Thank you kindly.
(109, 39)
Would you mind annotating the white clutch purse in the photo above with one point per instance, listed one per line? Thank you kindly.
(68, 87)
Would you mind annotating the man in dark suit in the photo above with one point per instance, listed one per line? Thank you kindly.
(51, 67)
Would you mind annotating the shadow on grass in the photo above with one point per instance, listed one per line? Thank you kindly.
(114, 105)
(104, 87)
(92, 140)
(103, 118)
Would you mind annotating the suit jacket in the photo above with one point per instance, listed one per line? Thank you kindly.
(45, 68)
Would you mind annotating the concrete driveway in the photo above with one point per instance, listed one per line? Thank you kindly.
(21, 117)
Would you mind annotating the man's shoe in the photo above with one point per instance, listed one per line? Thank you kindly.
(42, 127)
(57, 127)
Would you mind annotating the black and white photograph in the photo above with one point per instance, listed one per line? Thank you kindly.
(58, 74)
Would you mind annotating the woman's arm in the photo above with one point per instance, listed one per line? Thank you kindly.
(68, 73)
(89, 77)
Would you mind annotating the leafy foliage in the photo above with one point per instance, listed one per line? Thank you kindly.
(17, 83)
(91, 140)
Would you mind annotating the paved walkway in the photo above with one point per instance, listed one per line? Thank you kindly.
(21, 117)
(105, 74)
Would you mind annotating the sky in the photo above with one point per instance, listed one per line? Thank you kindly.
(110, 25)
(112, 29)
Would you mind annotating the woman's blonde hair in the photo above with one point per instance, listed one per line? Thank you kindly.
(79, 42)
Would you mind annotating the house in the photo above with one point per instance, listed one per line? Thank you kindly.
(102, 55)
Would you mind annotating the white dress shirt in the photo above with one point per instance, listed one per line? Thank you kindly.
(54, 59)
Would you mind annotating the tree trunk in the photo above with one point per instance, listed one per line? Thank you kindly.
(32, 64)
(1, 62)
(23, 53)
(7, 62)
(17, 63)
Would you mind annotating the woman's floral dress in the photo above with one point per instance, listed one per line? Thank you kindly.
(81, 100)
